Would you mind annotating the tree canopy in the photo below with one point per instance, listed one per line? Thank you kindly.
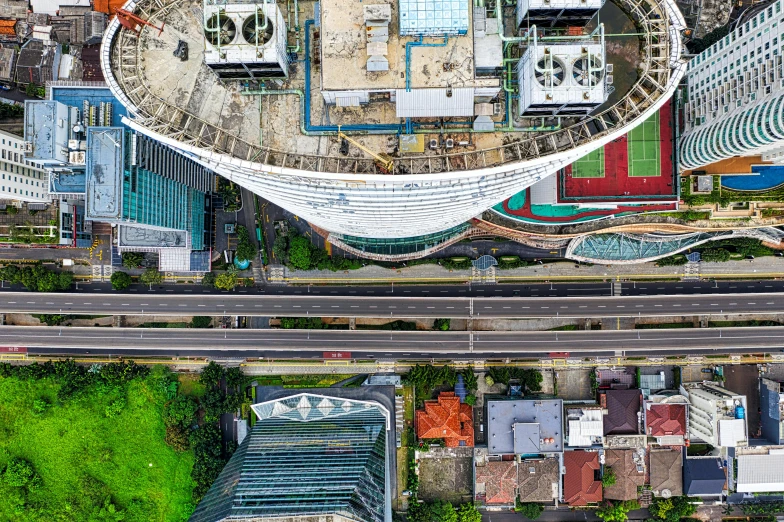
(120, 280)
(151, 276)
(246, 250)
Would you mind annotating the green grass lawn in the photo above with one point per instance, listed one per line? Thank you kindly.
(83, 457)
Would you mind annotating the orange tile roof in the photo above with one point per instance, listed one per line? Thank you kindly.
(580, 484)
(7, 27)
(448, 419)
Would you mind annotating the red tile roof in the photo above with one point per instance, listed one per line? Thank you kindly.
(580, 485)
(500, 481)
(448, 419)
(665, 419)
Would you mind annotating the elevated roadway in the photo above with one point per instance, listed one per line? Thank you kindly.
(388, 344)
(392, 307)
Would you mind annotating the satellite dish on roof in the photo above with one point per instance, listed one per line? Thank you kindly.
(666, 493)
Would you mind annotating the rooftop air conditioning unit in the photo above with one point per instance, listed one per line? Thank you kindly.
(244, 40)
(76, 158)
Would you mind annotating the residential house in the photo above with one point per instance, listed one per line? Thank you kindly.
(524, 426)
(496, 482)
(615, 378)
(539, 480)
(703, 477)
(628, 466)
(666, 422)
(8, 30)
(13, 9)
(582, 480)
(448, 419)
(7, 64)
(623, 412)
(666, 472)
(38, 63)
(716, 416)
(584, 426)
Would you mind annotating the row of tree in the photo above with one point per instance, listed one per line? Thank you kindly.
(441, 511)
(530, 379)
(37, 278)
(74, 377)
(207, 443)
(122, 280)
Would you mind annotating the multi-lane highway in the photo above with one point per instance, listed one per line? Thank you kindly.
(393, 307)
(386, 344)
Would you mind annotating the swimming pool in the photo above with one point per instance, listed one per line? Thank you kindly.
(763, 177)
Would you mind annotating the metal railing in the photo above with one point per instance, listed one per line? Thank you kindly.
(660, 71)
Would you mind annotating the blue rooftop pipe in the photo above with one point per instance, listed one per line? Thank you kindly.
(305, 125)
(379, 128)
(418, 43)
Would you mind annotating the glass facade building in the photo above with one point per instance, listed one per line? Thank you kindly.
(735, 96)
(307, 455)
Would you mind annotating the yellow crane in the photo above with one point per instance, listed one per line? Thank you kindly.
(383, 160)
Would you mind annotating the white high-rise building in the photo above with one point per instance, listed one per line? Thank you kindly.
(466, 149)
(19, 180)
(716, 416)
(735, 104)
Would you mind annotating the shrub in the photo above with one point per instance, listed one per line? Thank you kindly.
(441, 324)
(201, 321)
(671, 509)
(40, 406)
(610, 511)
(115, 408)
(470, 399)
(208, 280)
(132, 260)
(468, 513)
(530, 510)
(19, 473)
(715, 255)
(608, 478)
(177, 438)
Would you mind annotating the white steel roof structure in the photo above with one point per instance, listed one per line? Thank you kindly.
(760, 473)
(352, 195)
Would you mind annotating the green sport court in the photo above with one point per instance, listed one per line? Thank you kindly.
(644, 153)
(590, 165)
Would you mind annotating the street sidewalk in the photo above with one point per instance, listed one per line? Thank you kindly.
(760, 268)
